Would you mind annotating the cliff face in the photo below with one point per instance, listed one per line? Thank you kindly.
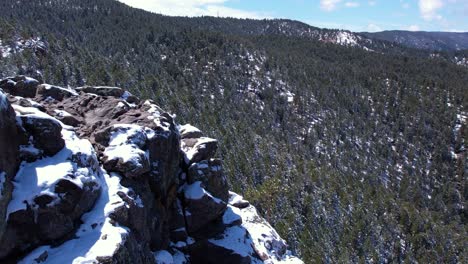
(95, 175)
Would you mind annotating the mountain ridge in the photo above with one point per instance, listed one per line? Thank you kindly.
(436, 41)
(329, 142)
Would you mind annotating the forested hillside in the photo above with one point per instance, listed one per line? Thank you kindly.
(353, 152)
(438, 41)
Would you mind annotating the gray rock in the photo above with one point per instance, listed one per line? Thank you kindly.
(189, 131)
(46, 133)
(102, 90)
(201, 208)
(48, 219)
(11, 136)
(198, 149)
(44, 91)
(132, 251)
(211, 174)
(205, 252)
(20, 86)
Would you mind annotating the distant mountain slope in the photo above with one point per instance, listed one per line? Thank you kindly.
(439, 41)
(352, 155)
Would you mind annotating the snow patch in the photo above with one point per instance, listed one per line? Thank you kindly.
(187, 128)
(194, 191)
(71, 91)
(62, 113)
(163, 257)
(126, 142)
(231, 215)
(190, 152)
(236, 239)
(39, 177)
(97, 236)
(266, 241)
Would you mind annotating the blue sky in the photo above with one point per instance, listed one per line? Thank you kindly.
(355, 15)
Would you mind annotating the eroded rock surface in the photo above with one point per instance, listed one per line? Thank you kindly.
(107, 178)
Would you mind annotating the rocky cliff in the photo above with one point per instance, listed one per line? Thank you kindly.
(94, 175)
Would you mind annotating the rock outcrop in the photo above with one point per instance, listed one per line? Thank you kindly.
(93, 175)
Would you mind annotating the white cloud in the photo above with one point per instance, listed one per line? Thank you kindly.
(329, 5)
(414, 28)
(372, 3)
(352, 4)
(429, 8)
(193, 8)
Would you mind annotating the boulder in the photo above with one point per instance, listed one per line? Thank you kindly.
(266, 242)
(130, 98)
(26, 102)
(189, 131)
(20, 86)
(223, 247)
(50, 196)
(67, 118)
(131, 251)
(211, 174)
(46, 91)
(125, 151)
(11, 136)
(102, 90)
(198, 149)
(201, 208)
(45, 132)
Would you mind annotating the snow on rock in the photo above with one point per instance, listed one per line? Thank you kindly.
(194, 191)
(40, 177)
(20, 86)
(61, 113)
(180, 258)
(346, 38)
(156, 115)
(103, 90)
(232, 216)
(124, 153)
(163, 257)
(30, 111)
(97, 236)
(268, 245)
(199, 149)
(133, 205)
(238, 240)
(189, 131)
(43, 130)
(201, 207)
